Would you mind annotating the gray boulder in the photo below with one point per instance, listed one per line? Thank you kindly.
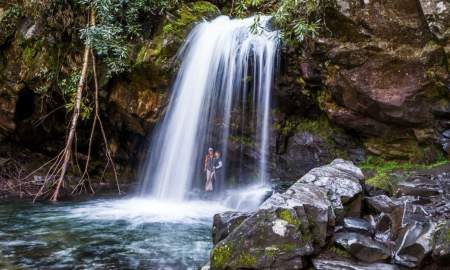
(225, 223)
(357, 225)
(285, 228)
(362, 247)
(415, 243)
(341, 179)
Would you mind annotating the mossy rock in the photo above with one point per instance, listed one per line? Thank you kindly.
(402, 149)
(385, 174)
(173, 32)
(220, 256)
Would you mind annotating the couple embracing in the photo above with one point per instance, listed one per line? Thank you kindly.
(213, 168)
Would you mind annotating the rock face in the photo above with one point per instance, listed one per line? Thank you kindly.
(225, 223)
(307, 224)
(385, 72)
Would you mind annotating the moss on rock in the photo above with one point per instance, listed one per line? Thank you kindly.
(173, 32)
(383, 176)
(220, 256)
(285, 214)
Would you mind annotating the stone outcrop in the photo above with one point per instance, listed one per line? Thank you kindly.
(225, 223)
(291, 225)
(306, 225)
(385, 72)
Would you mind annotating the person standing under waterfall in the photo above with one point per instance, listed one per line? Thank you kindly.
(209, 169)
(217, 170)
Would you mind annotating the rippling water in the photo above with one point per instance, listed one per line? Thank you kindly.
(106, 234)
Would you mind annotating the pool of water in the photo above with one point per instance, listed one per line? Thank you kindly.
(106, 234)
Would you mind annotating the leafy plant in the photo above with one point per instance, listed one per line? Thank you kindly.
(118, 21)
(299, 19)
(12, 12)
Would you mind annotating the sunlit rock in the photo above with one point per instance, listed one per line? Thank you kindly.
(342, 180)
(285, 228)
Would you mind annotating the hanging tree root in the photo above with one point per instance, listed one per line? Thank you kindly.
(60, 163)
(85, 175)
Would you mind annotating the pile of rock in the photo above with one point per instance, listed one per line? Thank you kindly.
(324, 221)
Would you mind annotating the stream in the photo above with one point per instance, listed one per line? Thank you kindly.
(106, 234)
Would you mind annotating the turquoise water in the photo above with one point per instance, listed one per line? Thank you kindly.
(106, 234)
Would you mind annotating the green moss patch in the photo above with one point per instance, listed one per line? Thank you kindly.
(220, 256)
(286, 215)
(382, 170)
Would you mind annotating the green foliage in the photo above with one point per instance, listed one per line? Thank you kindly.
(299, 19)
(68, 87)
(118, 21)
(286, 215)
(220, 256)
(246, 260)
(10, 13)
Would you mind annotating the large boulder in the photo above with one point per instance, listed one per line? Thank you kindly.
(285, 228)
(294, 224)
(341, 179)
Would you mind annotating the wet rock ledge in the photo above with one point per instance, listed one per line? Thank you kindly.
(326, 222)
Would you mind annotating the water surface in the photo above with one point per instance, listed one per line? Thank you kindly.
(106, 234)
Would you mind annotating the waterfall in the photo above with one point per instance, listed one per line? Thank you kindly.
(224, 81)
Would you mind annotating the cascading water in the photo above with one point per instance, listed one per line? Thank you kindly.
(222, 91)
(226, 71)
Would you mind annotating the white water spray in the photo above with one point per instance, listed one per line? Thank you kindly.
(226, 70)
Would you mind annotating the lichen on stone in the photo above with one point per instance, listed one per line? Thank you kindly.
(285, 214)
(221, 255)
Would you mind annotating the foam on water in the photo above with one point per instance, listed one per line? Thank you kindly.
(139, 211)
(248, 198)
